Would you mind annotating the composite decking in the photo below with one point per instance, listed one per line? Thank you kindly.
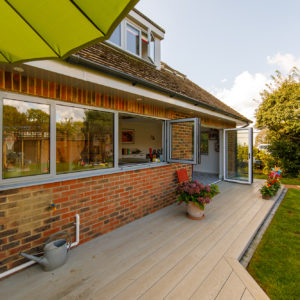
(161, 256)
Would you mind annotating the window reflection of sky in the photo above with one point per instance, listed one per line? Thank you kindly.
(23, 106)
(64, 113)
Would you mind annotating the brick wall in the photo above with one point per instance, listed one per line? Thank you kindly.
(103, 202)
(182, 140)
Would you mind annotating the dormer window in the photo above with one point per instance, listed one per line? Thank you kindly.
(151, 47)
(133, 40)
(116, 36)
(138, 39)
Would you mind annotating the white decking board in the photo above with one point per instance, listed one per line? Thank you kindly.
(162, 256)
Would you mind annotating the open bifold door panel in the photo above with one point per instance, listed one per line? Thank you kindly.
(238, 155)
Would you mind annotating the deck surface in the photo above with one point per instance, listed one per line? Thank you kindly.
(162, 256)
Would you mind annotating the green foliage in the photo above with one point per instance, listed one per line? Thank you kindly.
(279, 114)
(242, 153)
(275, 264)
(214, 190)
(14, 120)
(292, 181)
(262, 137)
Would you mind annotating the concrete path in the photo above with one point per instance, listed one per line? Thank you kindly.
(162, 256)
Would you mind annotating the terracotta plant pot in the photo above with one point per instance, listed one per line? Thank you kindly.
(194, 212)
(266, 197)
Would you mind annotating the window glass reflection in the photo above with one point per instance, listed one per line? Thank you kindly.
(116, 36)
(132, 40)
(26, 138)
(84, 139)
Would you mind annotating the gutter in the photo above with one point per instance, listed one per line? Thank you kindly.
(80, 61)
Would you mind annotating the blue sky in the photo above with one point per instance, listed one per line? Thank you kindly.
(230, 48)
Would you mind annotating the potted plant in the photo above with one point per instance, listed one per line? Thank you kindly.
(196, 196)
(266, 192)
(272, 185)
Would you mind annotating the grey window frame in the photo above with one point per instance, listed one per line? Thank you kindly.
(197, 154)
(52, 175)
(150, 34)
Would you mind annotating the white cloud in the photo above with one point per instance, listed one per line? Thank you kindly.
(243, 93)
(224, 80)
(23, 106)
(285, 62)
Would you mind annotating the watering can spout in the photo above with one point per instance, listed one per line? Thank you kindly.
(40, 260)
(55, 253)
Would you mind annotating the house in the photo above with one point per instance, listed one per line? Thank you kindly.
(101, 135)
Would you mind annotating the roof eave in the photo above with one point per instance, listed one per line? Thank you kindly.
(78, 60)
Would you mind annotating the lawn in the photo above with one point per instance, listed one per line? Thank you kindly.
(284, 180)
(276, 262)
(260, 176)
(294, 181)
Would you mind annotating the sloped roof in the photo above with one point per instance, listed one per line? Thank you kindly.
(166, 78)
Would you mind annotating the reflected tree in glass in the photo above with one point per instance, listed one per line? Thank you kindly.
(84, 139)
(26, 141)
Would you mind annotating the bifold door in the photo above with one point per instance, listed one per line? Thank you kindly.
(183, 140)
(238, 155)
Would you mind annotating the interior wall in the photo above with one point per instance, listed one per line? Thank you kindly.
(209, 163)
(148, 134)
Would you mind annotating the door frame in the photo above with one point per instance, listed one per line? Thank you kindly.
(250, 155)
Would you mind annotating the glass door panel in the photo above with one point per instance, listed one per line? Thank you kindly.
(238, 155)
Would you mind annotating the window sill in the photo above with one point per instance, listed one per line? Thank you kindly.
(79, 175)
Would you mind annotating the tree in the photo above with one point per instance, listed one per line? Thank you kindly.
(279, 113)
(262, 137)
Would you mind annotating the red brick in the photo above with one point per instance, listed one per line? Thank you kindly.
(103, 202)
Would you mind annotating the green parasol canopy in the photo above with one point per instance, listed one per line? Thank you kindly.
(42, 29)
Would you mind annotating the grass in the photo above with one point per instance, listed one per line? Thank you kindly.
(284, 180)
(293, 181)
(276, 262)
(260, 176)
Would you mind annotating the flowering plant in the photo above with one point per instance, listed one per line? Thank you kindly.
(272, 185)
(196, 192)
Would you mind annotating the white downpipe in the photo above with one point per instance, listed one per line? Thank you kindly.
(77, 226)
(31, 262)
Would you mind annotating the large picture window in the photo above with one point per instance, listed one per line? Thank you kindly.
(84, 139)
(44, 139)
(25, 139)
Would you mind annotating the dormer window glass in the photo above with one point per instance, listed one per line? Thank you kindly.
(133, 40)
(151, 47)
(116, 36)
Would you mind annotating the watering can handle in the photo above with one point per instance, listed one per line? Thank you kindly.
(58, 233)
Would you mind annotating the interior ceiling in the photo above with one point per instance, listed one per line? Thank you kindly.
(133, 118)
